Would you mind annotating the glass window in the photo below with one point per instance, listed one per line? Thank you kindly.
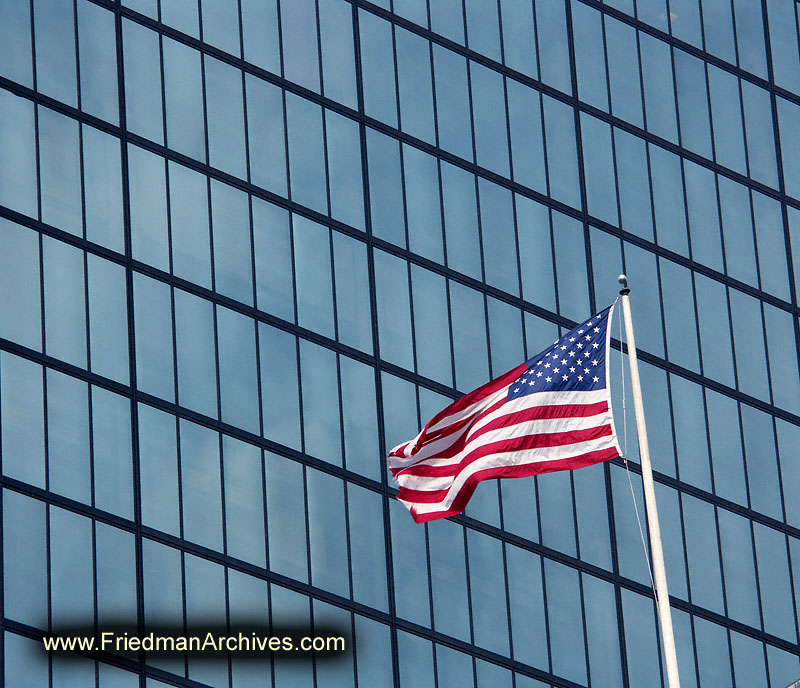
(487, 592)
(111, 452)
(360, 414)
(98, 61)
(201, 499)
(489, 119)
(497, 232)
(400, 418)
(452, 102)
(669, 203)
(385, 188)
(299, 41)
(344, 169)
(527, 141)
(758, 122)
(183, 87)
(54, 31)
(393, 309)
(279, 378)
(562, 157)
(338, 56)
(158, 472)
(748, 337)
(68, 462)
(221, 25)
(273, 259)
(312, 253)
(108, 319)
(431, 325)
(762, 462)
(526, 605)
(782, 358)
(461, 220)
(142, 81)
(641, 642)
(368, 563)
(551, 34)
(774, 583)
(713, 658)
(447, 19)
(700, 533)
(519, 40)
(771, 245)
(727, 119)
(623, 71)
(238, 380)
(16, 62)
(715, 329)
(286, 520)
(72, 591)
(630, 551)
(602, 630)
(25, 559)
(594, 538)
(598, 169)
(102, 189)
(679, 315)
(244, 501)
(789, 122)
(788, 439)
(565, 621)
(25, 665)
(197, 367)
(306, 153)
(188, 211)
(423, 209)
(659, 94)
(782, 19)
(505, 336)
(204, 585)
(326, 530)
(454, 668)
(748, 660)
(470, 348)
(536, 248)
(726, 447)
(21, 387)
(163, 593)
(704, 223)
(570, 250)
(153, 329)
(685, 21)
(377, 67)
(148, 207)
(634, 191)
(260, 29)
(116, 575)
(353, 323)
(64, 302)
(18, 186)
(225, 117)
(20, 307)
(183, 16)
(557, 522)
(483, 28)
(411, 586)
(414, 84)
(590, 64)
(640, 267)
(373, 652)
(690, 81)
(59, 171)
(322, 433)
(230, 220)
(448, 579)
(740, 259)
(740, 574)
(265, 134)
(415, 656)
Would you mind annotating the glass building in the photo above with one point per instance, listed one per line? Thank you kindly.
(247, 246)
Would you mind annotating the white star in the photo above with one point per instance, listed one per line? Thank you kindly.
(579, 345)
(594, 362)
(546, 365)
(571, 353)
(589, 323)
(595, 345)
(586, 370)
(549, 379)
(563, 361)
(596, 379)
(539, 374)
(572, 339)
(564, 377)
(563, 347)
(596, 329)
(516, 389)
(531, 383)
(555, 355)
(588, 336)
(581, 331)
(555, 370)
(572, 370)
(580, 377)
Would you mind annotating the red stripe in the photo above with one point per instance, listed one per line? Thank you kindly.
(527, 441)
(460, 502)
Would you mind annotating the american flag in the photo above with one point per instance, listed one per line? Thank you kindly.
(551, 413)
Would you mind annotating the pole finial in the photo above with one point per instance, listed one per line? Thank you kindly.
(623, 280)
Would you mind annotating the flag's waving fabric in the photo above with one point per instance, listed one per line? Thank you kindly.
(551, 413)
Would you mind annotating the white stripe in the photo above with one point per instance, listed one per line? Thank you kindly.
(518, 458)
(427, 483)
(427, 454)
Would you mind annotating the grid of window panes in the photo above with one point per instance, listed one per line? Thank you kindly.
(246, 247)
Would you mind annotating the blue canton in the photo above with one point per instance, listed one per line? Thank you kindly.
(576, 362)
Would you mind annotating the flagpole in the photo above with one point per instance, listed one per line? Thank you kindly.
(659, 573)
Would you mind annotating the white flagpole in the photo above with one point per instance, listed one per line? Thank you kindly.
(659, 573)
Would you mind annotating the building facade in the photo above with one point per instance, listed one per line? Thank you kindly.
(248, 246)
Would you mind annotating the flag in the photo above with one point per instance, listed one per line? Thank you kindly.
(551, 413)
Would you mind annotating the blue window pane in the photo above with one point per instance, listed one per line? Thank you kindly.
(312, 253)
(713, 661)
(641, 642)
(338, 61)
(461, 220)
(718, 30)
(640, 266)
(489, 119)
(758, 122)
(352, 292)
(527, 140)
(244, 501)
(448, 579)
(17, 155)
(373, 652)
(15, 43)
(668, 200)
(411, 575)
(108, 319)
(535, 248)
(59, 169)
(679, 315)
(385, 188)
(701, 549)
(416, 660)
(623, 78)
(25, 665)
(771, 245)
(483, 28)
(602, 631)
(783, 43)
(366, 547)
(98, 61)
(414, 83)
(727, 119)
(116, 575)
(740, 574)
(634, 194)
(499, 242)
(68, 437)
(551, 32)
(653, 12)
(183, 86)
(570, 250)
(238, 382)
(748, 340)
(23, 420)
(519, 48)
(454, 668)
(344, 169)
(221, 25)
(266, 143)
(278, 353)
(20, 308)
(447, 19)
(726, 447)
(306, 153)
(158, 477)
(326, 529)
(71, 554)
(431, 327)
(423, 209)
(321, 423)
(715, 328)
(142, 81)
(188, 211)
(748, 660)
(590, 63)
(25, 560)
(505, 336)
(690, 81)
(299, 41)
(201, 500)
(183, 16)
(153, 328)
(685, 21)
(286, 519)
(750, 35)
(394, 312)
(701, 201)
(775, 586)
(163, 593)
(526, 602)
(54, 29)
(102, 189)
(260, 30)
(111, 444)
(565, 621)
(400, 418)
(197, 367)
(762, 463)
(557, 520)
(737, 230)
(594, 538)
(64, 302)
(598, 159)
(629, 542)
(360, 416)
(273, 259)
(469, 340)
(452, 102)
(562, 157)
(487, 592)
(788, 438)
(230, 220)
(148, 201)
(377, 66)
(674, 553)
(225, 117)
(659, 95)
